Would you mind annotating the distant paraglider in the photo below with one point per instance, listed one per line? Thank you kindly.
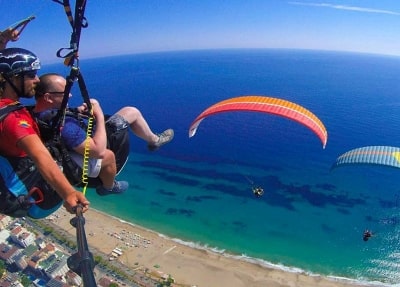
(367, 235)
(268, 105)
(370, 155)
(258, 191)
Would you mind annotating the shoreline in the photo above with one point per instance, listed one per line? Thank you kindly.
(190, 265)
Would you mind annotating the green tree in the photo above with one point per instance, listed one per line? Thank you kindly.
(47, 230)
(25, 281)
(2, 268)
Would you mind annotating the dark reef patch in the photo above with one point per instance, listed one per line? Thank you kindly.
(201, 198)
(168, 193)
(180, 211)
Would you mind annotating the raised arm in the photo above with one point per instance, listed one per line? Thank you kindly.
(8, 35)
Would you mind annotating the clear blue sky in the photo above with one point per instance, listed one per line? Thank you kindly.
(136, 26)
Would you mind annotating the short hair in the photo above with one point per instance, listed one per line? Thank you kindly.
(45, 84)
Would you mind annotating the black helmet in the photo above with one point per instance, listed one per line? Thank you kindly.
(14, 61)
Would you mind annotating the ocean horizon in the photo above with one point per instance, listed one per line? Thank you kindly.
(198, 190)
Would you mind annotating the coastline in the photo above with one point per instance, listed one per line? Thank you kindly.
(143, 249)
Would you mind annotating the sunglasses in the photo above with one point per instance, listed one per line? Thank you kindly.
(58, 93)
(55, 93)
(30, 75)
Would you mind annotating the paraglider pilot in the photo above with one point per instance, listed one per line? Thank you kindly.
(367, 234)
(258, 191)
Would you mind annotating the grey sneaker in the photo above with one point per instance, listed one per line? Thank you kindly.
(165, 137)
(119, 187)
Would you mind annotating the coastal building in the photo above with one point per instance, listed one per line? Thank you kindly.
(20, 260)
(73, 279)
(10, 280)
(4, 221)
(69, 279)
(7, 253)
(40, 243)
(58, 267)
(22, 250)
(30, 250)
(21, 236)
(4, 235)
(41, 255)
(45, 263)
(104, 282)
(57, 282)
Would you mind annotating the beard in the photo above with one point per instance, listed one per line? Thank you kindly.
(28, 93)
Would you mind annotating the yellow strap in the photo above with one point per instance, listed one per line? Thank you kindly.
(85, 165)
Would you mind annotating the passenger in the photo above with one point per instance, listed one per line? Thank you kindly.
(32, 183)
(49, 98)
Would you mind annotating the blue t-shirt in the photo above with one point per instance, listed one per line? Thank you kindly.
(72, 133)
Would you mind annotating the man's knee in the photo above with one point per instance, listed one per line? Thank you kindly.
(109, 158)
(130, 114)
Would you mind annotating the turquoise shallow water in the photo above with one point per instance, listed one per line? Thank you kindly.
(199, 189)
(314, 239)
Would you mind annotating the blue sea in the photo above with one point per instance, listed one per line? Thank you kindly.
(198, 190)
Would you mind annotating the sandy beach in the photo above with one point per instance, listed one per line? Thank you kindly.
(143, 249)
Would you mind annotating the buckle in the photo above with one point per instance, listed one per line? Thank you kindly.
(39, 195)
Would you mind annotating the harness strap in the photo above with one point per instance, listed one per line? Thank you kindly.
(4, 111)
(59, 120)
(18, 206)
(10, 204)
(14, 87)
(77, 23)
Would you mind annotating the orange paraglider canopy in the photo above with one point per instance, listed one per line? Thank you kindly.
(269, 105)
